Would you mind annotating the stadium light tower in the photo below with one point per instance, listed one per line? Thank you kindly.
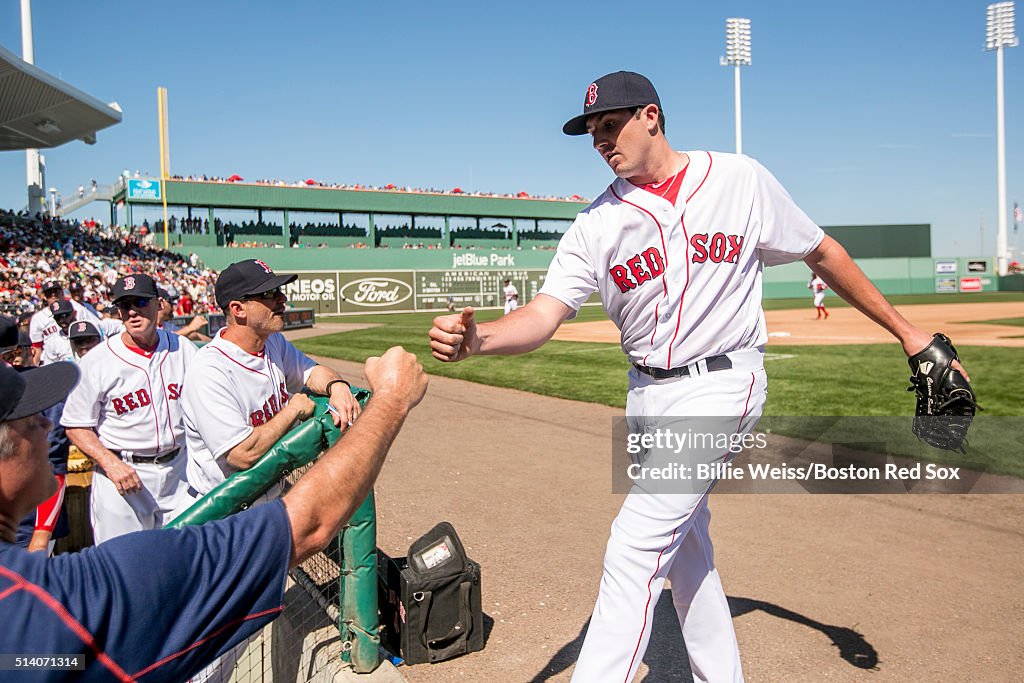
(737, 54)
(999, 34)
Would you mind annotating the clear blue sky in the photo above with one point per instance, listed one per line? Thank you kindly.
(868, 112)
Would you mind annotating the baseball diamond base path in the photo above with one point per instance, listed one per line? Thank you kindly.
(822, 587)
(849, 326)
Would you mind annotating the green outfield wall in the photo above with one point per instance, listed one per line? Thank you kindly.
(349, 275)
(348, 281)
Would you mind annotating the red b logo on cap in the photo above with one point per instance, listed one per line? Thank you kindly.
(129, 283)
(591, 94)
(262, 265)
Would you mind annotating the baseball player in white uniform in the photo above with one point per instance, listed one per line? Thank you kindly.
(125, 415)
(243, 390)
(43, 325)
(676, 247)
(244, 393)
(511, 297)
(57, 346)
(818, 287)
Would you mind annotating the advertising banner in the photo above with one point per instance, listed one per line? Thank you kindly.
(143, 189)
(970, 284)
(375, 291)
(318, 291)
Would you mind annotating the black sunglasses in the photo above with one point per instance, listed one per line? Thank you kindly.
(135, 301)
(63, 316)
(269, 294)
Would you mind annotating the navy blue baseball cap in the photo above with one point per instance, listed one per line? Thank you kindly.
(246, 278)
(619, 90)
(136, 284)
(33, 390)
(81, 329)
(61, 307)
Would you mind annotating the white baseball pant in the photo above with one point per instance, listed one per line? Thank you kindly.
(665, 535)
(164, 491)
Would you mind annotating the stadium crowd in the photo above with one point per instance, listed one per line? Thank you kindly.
(86, 258)
(389, 187)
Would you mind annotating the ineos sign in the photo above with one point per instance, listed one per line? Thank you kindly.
(376, 291)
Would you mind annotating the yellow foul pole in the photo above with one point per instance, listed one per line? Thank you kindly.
(165, 161)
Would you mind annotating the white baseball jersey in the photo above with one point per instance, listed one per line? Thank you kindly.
(132, 399)
(510, 291)
(231, 391)
(43, 325)
(57, 346)
(682, 280)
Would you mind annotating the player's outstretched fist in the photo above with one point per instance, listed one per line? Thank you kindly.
(454, 337)
(397, 375)
(302, 405)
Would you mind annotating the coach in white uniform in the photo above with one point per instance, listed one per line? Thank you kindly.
(125, 415)
(675, 247)
(242, 391)
(43, 325)
(57, 346)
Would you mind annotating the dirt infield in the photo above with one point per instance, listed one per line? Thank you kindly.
(848, 326)
(822, 587)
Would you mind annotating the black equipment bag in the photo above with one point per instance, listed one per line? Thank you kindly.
(430, 605)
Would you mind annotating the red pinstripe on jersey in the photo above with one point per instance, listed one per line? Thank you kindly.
(149, 385)
(686, 236)
(664, 277)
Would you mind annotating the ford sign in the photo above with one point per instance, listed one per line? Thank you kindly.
(376, 292)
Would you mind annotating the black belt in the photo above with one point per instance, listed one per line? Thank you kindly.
(192, 492)
(714, 363)
(149, 459)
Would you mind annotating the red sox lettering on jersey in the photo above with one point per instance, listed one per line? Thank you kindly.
(140, 399)
(633, 274)
(720, 248)
(650, 264)
(271, 407)
(680, 273)
(229, 393)
(131, 399)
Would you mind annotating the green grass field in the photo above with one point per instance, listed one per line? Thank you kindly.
(857, 380)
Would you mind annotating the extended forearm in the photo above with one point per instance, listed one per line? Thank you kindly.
(327, 496)
(320, 377)
(522, 330)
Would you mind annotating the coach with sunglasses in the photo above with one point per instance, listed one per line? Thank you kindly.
(126, 416)
(243, 392)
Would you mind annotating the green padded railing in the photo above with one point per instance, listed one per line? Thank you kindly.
(358, 622)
